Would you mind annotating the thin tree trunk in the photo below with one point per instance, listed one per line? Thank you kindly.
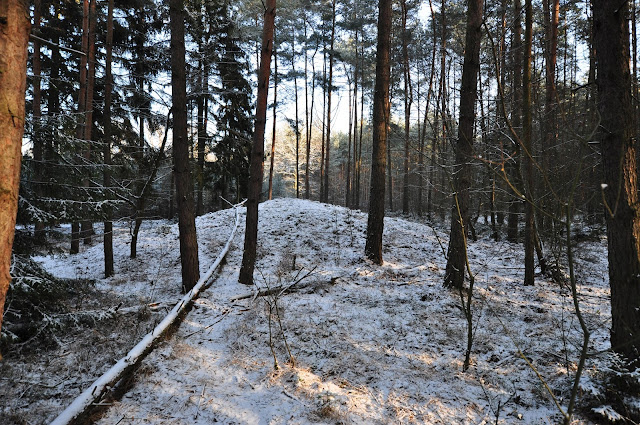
(389, 168)
(329, 92)
(307, 116)
(184, 190)
(442, 105)
(408, 100)
(82, 97)
(423, 138)
(347, 200)
(550, 123)
(513, 165)
(324, 115)
(375, 222)
(36, 138)
(297, 125)
(257, 152)
(460, 219)
(108, 225)
(87, 226)
(529, 229)
(356, 164)
(14, 37)
(273, 131)
(359, 167)
(201, 131)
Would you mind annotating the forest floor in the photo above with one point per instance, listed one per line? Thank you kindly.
(369, 344)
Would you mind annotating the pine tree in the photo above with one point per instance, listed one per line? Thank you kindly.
(257, 151)
(184, 184)
(375, 222)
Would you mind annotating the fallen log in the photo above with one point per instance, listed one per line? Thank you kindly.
(85, 401)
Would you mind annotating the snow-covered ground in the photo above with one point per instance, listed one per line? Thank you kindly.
(370, 344)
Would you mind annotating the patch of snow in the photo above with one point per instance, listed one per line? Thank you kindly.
(371, 344)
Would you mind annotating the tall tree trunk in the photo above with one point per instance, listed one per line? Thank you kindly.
(307, 115)
(361, 125)
(356, 163)
(257, 152)
(347, 189)
(202, 130)
(460, 219)
(36, 138)
(184, 189)
(273, 131)
(527, 132)
(82, 108)
(442, 105)
(14, 37)
(297, 125)
(389, 169)
(324, 115)
(550, 121)
(108, 225)
(426, 118)
(408, 100)
(513, 164)
(329, 92)
(618, 147)
(87, 226)
(375, 221)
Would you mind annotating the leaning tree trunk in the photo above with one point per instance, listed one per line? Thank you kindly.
(14, 36)
(618, 147)
(457, 258)
(257, 152)
(184, 189)
(375, 223)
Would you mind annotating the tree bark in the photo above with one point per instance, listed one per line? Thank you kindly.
(460, 220)
(513, 165)
(329, 92)
(86, 225)
(307, 115)
(297, 125)
(257, 152)
(527, 133)
(202, 130)
(408, 100)
(14, 37)
(618, 147)
(36, 138)
(375, 222)
(82, 109)
(184, 189)
(273, 130)
(108, 225)
(347, 180)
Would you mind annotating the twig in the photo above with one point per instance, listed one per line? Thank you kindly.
(199, 400)
(280, 290)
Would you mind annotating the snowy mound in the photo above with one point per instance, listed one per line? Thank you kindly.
(353, 342)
